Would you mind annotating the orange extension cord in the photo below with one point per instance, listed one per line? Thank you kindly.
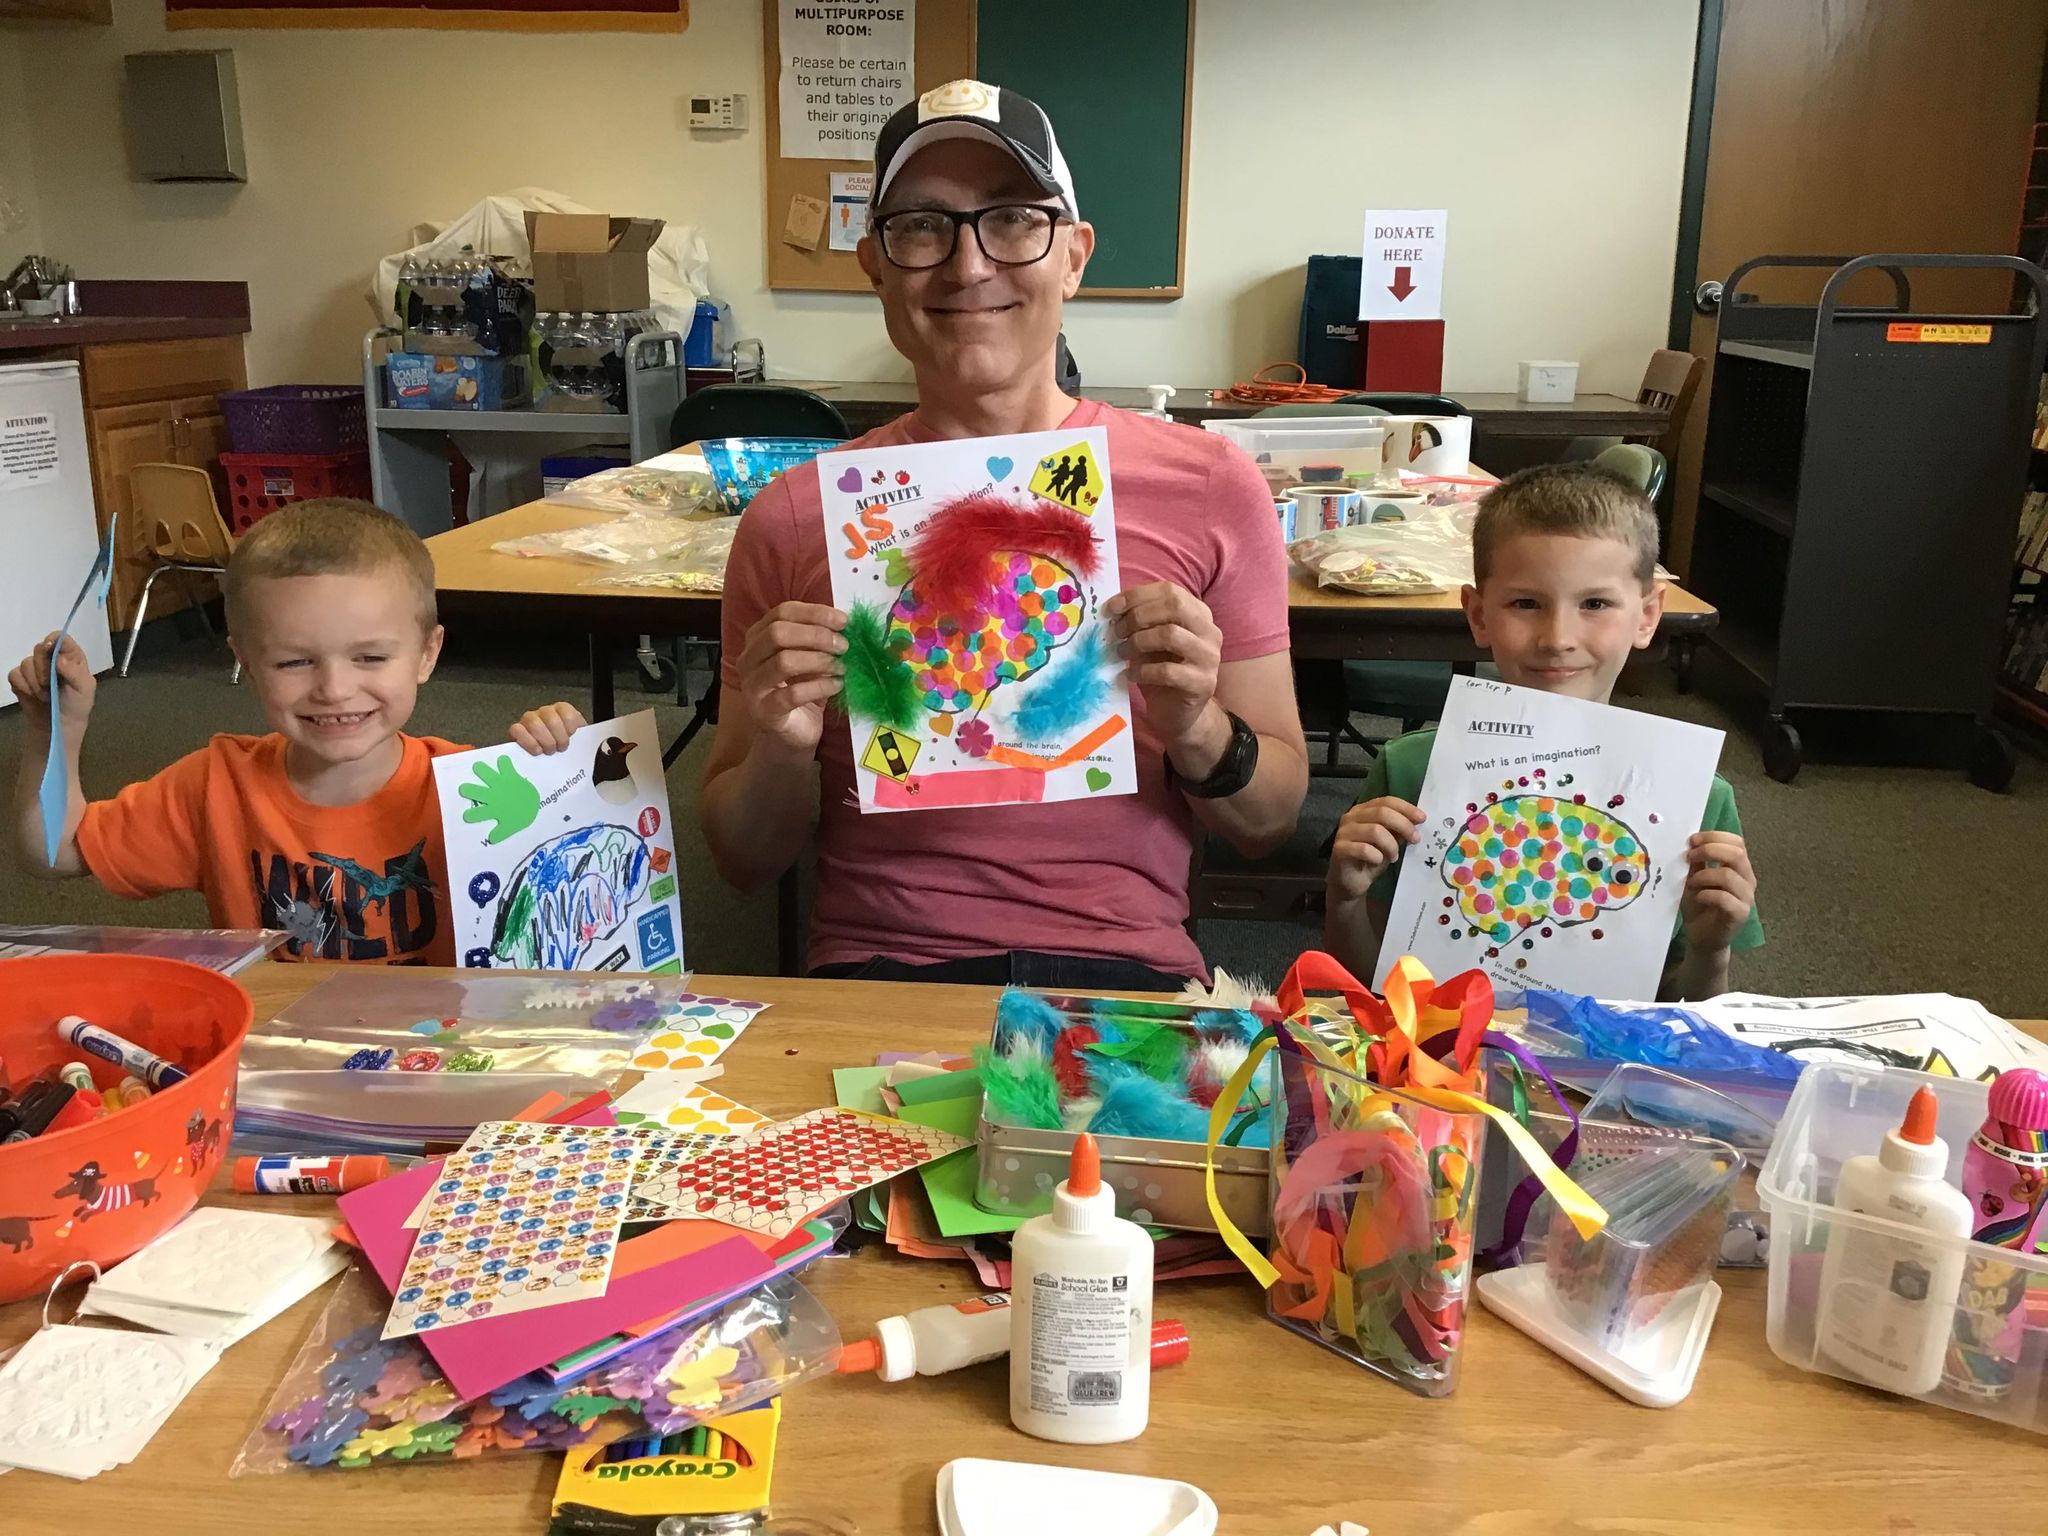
(1260, 390)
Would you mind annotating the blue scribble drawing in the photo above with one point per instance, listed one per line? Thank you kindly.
(568, 896)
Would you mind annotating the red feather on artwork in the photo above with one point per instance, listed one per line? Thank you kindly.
(949, 560)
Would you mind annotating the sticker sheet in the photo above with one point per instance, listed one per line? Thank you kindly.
(662, 1152)
(979, 670)
(526, 1215)
(683, 1104)
(769, 1182)
(1554, 851)
(695, 1033)
(564, 862)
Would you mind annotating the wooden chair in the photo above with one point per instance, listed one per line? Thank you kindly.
(1669, 384)
(181, 527)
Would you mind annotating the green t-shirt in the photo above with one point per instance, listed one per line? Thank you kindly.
(1399, 770)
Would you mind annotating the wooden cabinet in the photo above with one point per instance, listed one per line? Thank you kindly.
(153, 402)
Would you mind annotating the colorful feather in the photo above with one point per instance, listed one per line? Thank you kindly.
(1231, 1023)
(1020, 1088)
(1157, 1050)
(949, 560)
(1070, 1060)
(879, 683)
(1021, 1014)
(1070, 692)
(1134, 1104)
(1214, 1061)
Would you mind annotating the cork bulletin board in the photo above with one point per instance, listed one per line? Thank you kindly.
(1116, 81)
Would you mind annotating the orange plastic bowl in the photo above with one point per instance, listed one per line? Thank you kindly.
(103, 1190)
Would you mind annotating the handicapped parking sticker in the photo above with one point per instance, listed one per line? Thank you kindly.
(657, 931)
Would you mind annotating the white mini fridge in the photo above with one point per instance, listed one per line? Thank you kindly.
(48, 535)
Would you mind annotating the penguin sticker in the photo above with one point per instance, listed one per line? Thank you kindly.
(611, 775)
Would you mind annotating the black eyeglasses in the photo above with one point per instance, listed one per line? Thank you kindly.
(1010, 234)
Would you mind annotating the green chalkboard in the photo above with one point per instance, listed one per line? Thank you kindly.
(1113, 77)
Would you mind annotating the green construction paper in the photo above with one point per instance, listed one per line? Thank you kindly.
(950, 1181)
(945, 1085)
(859, 1088)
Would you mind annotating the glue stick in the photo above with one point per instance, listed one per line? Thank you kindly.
(934, 1340)
(307, 1175)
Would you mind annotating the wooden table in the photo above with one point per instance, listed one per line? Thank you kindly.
(867, 405)
(478, 584)
(1284, 1436)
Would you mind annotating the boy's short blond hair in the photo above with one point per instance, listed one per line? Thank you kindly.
(329, 536)
(1578, 500)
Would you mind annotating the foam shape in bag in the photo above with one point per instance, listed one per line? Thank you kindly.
(102, 1190)
(1013, 1498)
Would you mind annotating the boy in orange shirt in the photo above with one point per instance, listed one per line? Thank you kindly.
(329, 827)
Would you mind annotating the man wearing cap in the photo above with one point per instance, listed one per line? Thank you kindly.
(974, 241)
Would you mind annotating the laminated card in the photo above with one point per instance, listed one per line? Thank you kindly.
(978, 669)
(1553, 855)
(565, 862)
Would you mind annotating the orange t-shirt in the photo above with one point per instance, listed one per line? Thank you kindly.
(363, 882)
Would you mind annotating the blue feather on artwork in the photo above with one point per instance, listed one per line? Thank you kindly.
(1069, 692)
(1027, 1016)
(1134, 1104)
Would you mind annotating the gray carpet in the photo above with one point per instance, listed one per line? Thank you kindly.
(1871, 879)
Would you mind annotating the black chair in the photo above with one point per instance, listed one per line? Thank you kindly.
(755, 410)
(1408, 405)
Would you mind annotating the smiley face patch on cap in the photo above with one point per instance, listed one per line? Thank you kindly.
(958, 98)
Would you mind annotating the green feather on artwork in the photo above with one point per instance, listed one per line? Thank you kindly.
(879, 685)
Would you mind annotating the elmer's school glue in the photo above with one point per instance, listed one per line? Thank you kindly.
(1081, 1314)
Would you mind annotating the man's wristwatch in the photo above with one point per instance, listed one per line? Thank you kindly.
(1234, 770)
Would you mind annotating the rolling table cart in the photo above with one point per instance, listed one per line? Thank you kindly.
(1859, 498)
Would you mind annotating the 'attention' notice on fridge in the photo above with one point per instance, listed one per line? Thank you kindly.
(28, 451)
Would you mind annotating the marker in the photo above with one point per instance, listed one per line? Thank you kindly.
(36, 1108)
(125, 1054)
(134, 1091)
(77, 1074)
(74, 1109)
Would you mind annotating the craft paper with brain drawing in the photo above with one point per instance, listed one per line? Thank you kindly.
(1554, 852)
(979, 670)
(564, 862)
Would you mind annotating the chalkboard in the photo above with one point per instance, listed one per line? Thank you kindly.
(1114, 79)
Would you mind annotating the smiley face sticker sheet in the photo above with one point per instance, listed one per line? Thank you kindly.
(524, 1216)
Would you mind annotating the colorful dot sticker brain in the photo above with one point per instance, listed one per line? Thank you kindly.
(1537, 859)
(1033, 605)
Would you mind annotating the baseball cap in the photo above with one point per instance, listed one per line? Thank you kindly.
(968, 109)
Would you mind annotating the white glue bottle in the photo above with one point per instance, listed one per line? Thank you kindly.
(1888, 1303)
(934, 1340)
(1081, 1314)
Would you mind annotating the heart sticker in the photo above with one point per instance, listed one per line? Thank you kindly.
(850, 480)
(999, 467)
(1098, 780)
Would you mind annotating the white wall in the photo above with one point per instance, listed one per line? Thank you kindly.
(21, 229)
(1554, 134)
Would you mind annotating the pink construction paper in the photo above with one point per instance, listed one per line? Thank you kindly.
(482, 1356)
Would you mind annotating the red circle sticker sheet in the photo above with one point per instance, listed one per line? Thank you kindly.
(769, 1182)
(979, 670)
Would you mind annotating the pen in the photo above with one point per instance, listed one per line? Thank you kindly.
(37, 1108)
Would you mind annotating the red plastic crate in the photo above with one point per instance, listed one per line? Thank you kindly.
(260, 483)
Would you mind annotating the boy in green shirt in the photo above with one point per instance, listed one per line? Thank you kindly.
(1563, 559)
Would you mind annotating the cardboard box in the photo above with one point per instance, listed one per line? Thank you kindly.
(590, 260)
(421, 382)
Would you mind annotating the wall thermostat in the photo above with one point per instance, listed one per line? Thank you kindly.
(728, 112)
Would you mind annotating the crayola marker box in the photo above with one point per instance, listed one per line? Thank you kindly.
(619, 1487)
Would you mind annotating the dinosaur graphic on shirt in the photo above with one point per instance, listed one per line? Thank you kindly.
(408, 873)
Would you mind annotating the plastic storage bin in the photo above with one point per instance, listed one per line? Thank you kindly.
(296, 418)
(1840, 1112)
(260, 483)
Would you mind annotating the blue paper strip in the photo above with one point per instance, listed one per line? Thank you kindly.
(54, 795)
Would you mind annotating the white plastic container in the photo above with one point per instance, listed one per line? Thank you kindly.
(1839, 1113)
(1081, 1315)
(1549, 383)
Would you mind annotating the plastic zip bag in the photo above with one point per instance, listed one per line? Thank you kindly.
(676, 484)
(1429, 551)
(351, 1400)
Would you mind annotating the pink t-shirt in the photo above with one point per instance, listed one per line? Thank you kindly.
(1096, 877)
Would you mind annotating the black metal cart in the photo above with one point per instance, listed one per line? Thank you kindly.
(1859, 498)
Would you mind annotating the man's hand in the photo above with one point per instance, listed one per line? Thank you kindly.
(31, 684)
(1369, 838)
(788, 667)
(1720, 891)
(547, 730)
(1174, 649)
(501, 795)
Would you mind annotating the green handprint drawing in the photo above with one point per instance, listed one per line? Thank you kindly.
(503, 796)
(895, 567)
